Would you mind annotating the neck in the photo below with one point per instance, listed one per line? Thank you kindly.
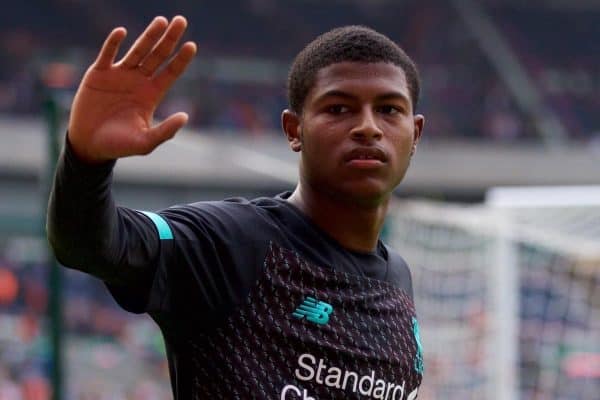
(355, 226)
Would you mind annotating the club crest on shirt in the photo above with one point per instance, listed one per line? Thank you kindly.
(419, 367)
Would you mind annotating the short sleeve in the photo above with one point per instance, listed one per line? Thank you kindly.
(143, 291)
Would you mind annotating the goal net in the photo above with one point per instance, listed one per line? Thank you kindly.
(507, 293)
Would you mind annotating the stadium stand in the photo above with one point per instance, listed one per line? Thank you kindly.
(560, 48)
(462, 95)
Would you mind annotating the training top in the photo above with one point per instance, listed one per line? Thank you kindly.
(253, 299)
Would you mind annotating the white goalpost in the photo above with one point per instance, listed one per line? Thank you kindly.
(507, 292)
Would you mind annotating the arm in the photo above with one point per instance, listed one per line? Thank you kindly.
(111, 117)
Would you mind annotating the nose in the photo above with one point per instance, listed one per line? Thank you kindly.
(366, 128)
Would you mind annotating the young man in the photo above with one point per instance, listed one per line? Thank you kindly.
(292, 297)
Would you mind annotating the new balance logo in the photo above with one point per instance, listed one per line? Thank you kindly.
(314, 310)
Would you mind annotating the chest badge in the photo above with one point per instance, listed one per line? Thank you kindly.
(314, 311)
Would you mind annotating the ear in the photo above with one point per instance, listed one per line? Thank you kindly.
(290, 122)
(419, 123)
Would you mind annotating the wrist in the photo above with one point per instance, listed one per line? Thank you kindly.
(79, 157)
(79, 152)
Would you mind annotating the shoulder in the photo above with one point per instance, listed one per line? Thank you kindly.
(233, 216)
(398, 271)
(236, 207)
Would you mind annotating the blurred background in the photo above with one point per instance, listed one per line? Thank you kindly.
(510, 91)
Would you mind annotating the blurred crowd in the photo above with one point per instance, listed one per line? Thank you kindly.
(237, 83)
(109, 354)
(560, 49)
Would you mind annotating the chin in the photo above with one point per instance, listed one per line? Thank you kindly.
(366, 193)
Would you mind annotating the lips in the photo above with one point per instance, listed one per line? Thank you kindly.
(366, 153)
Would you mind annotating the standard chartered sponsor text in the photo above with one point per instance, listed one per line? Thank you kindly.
(311, 369)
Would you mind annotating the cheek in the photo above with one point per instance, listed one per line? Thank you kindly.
(321, 140)
(318, 157)
(403, 141)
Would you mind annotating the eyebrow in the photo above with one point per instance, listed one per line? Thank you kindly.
(393, 95)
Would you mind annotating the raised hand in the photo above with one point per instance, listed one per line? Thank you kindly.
(111, 116)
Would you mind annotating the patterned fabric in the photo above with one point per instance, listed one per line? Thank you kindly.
(367, 348)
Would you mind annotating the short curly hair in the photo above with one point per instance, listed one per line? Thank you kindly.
(349, 43)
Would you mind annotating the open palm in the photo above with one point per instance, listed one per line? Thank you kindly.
(112, 112)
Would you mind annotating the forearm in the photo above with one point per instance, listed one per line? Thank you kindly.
(85, 228)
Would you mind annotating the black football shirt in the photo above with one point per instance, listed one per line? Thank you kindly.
(253, 299)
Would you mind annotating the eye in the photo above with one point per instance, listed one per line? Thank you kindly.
(389, 109)
(337, 109)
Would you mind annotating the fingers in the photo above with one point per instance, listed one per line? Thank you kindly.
(165, 130)
(110, 48)
(162, 51)
(145, 42)
(176, 66)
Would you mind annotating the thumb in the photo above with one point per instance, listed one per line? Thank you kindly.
(165, 130)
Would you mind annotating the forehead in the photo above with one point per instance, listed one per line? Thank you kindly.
(360, 79)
